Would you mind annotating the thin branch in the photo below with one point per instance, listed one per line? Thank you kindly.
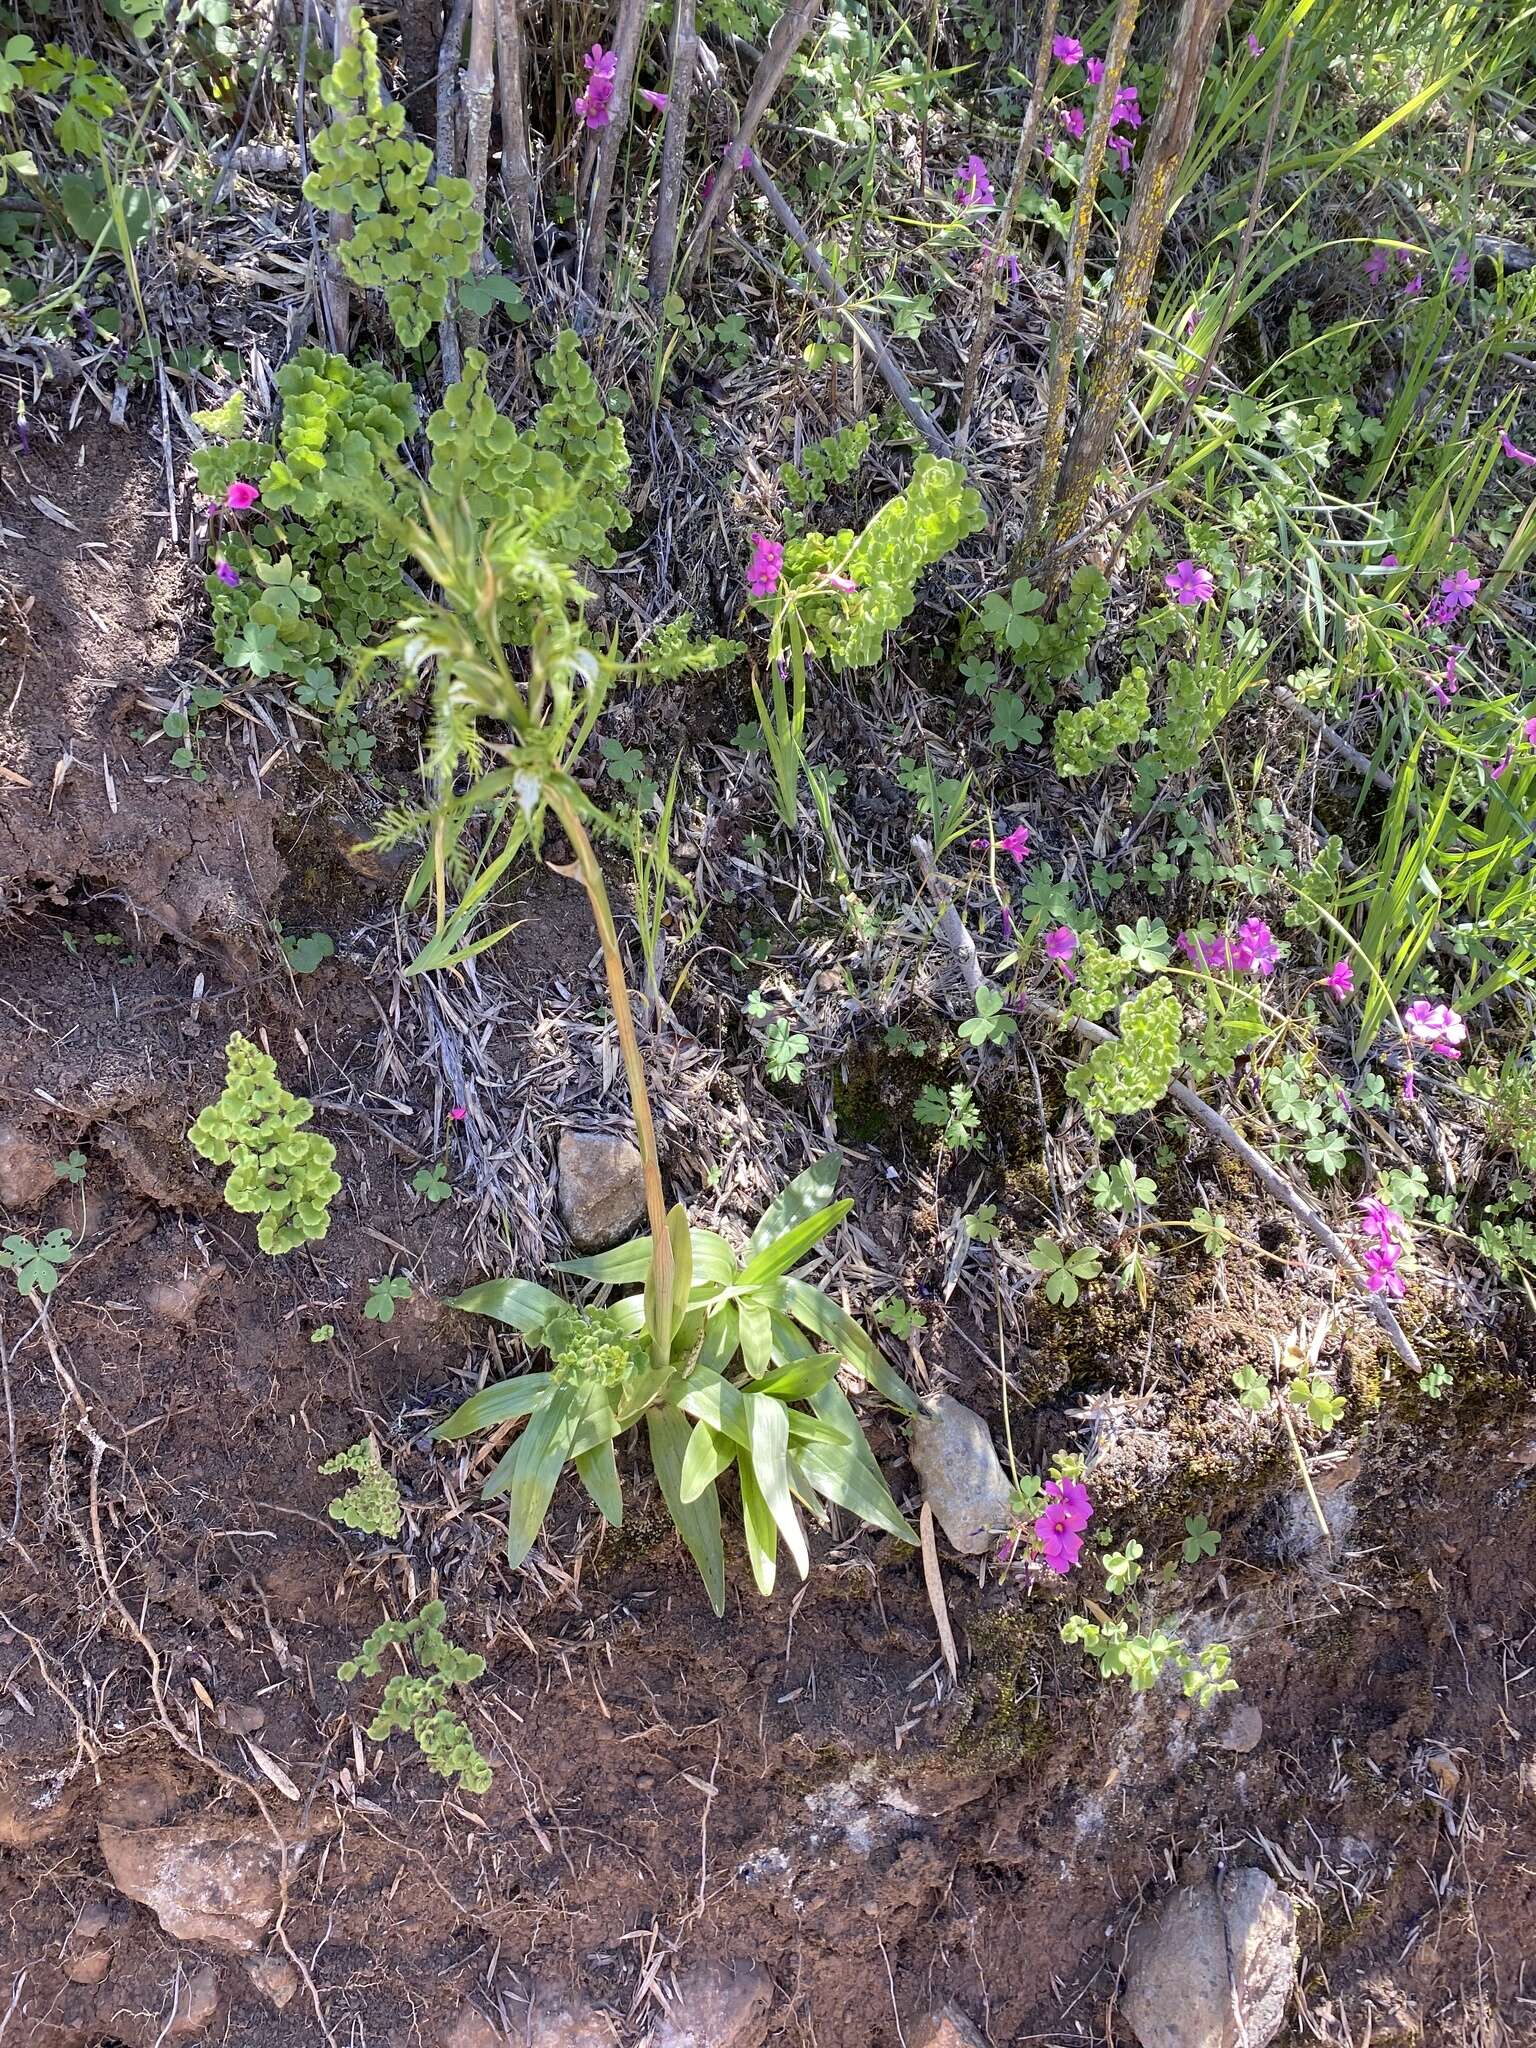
(447, 157)
(516, 157)
(477, 84)
(674, 148)
(335, 292)
(789, 31)
(986, 303)
(868, 336)
(626, 48)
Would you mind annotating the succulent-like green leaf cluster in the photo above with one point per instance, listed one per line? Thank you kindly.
(1086, 740)
(416, 1705)
(672, 651)
(935, 513)
(745, 1388)
(410, 236)
(278, 1170)
(824, 464)
(373, 1504)
(1132, 1072)
(1101, 980)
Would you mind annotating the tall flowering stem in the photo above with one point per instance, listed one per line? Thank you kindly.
(626, 48)
(674, 146)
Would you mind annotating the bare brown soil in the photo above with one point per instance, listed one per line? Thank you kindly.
(797, 1785)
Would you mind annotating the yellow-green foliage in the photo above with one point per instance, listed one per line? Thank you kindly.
(416, 1705)
(1133, 1071)
(278, 1170)
(373, 1504)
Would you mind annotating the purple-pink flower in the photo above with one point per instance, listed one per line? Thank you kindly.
(1190, 583)
(973, 185)
(1521, 455)
(1461, 269)
(594, 105)
(1436, 1027)
(656, 101)
(241, 497)
(229, 577)
(766, 566)
(1016, 844)
(1067, 50)
(1254, 950)
(1339, 980)
(1255, 47)
(1377, 265)
(1095, 69)
(1061, 946)
(457, 1113)
(1460, 590)
(1072, 121)
(1060, 1528)
(1127, 108)
(1383, 1251)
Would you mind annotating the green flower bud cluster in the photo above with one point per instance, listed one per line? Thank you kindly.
(935, 513)
(1133, 1071)
(409, 236)
(590, 1347)
(373, 1504)
(1085, 741)
(416, 1705)
(278, 1170)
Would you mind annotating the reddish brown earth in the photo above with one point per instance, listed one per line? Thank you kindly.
(798, 1785)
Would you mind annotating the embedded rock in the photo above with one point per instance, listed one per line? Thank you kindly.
(1214, 1966)
(962, 1480)
(946, 2028)
(275, 1978)
(469, 2028)
(35, 1810)
(215, 1881)
(602, 1188)
(27, 1177)
(197, 2004)
(719, 2005)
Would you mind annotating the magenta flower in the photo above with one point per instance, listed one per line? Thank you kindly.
(1436, 1027)
(1072, 121)
(1443, 692)
(1070, 1498)
(1460, 590)
(973, 186)
(1095, 69)
(228, 577)
(1255, 47)
(845, 584)
(656, 101)
(1380, 1226)
(766, 566)
(1339, 980)
(1006, 260)
(1212, 954)
(241, 497)
(1127, 108)
(1122, 150)
(457, 1113)
(1461, 269)
(1190, 583)
(1016, 844)
(1529, 729)
(1389, 561)
(1060, 1542)
(1413, 287)
(1067, 50)
(1377, 265)
(1254, 950)
(1061, 946)
(1521, 455)
(594, 105)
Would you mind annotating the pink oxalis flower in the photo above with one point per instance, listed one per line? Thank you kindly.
(229, 577)
(594, 105)
(1095, 69)
(1061, 946)
(1016, 844)
(1067, 50)
(1060, 1528)
(1339, 980)
(1383, 1250)
(1521, 455)
(766, 566)
(1190, 583)
(973, 184)
(241, 497)
(1255, 47)
(1435, 1027)
(656, 101)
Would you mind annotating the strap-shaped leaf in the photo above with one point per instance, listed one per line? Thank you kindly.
(698, 1521)
(524, 1304)
(707, 1456)
(714, 1263)
(506, 1401)
(805, 1194)
(722, 1338)
(821, 1315)
(790, 1345)
(805, 1493)
(682, 1264)
(756, 1333)
(598, 1426)
(810, 1429)
(537, 1462)
(791, 1245)
(769, 1428)
(758, 1528)
(847, 1472)
(798, 1382)
(600, 1476)
(708, 1398)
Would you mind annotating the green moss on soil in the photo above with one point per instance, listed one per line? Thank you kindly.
(1005, 1727)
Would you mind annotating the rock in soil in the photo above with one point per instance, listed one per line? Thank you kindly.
(27, 1177)
(1214, 1966)
(35, 1810)
(719, 2006)
(469, 2028)
(559, 2023)
(213, 1881)
(946, 2028)
(602, 1188)
(197, 2004)
(275, 1978)
(962, 1480)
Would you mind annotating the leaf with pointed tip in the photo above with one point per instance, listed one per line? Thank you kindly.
(769, 1428)
(759, 1529)
(506, 1401)
(805, 1194)
(848, 1473)
(820, 1314)
(707, 1456)
(698, 1521)
(714, 1263)
(527, 1306)
(599, 1474)
(798, 1382)
(756, 1335)
(537, 1462)
(708, 1398)
(791, 1245)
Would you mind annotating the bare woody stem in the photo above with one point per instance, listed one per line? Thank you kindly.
(789, 31)
(1064, 339)
(335, 292)
(447, 155)
(516, 157)
(477, 88)
(626, 48)
(674, 145)
(986, 301)
(1120, 338)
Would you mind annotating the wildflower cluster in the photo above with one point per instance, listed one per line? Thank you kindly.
(595, 104)
(973, 186)
(766, 566)
(1458, 593)
(1436, 1028)
(1126, 112)
(1380, 1226)
(1059, 1527)
(1254, 950)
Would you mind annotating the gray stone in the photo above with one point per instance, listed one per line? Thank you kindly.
(1213, 1966)
(719, 2005)
(275, 1978)
(214, 1881)
(946, 2028)
(962, 1480)
(557, 2022)
(197, 2004)
(602, 1188)
(1244, 1730)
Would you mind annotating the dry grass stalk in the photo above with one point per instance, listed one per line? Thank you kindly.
(674, 145)
(626, 48)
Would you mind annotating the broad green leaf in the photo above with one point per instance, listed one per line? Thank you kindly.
(756, 1335)
(707, 1456)
(682, 1264)
(504, 1402)
(819, 1314)
(769, 1428)
(538, 1460)
(809, 1429)
(698, 1521)
(708, 1398)
(600, 1476)
(714, 1263)
(758, 1527)
(598, 1426)
(848, 1473)
(805, 1194)
(790, 1345)
(791, 1246)
(798, 1382)
(721, 1339)
(524, 1304)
